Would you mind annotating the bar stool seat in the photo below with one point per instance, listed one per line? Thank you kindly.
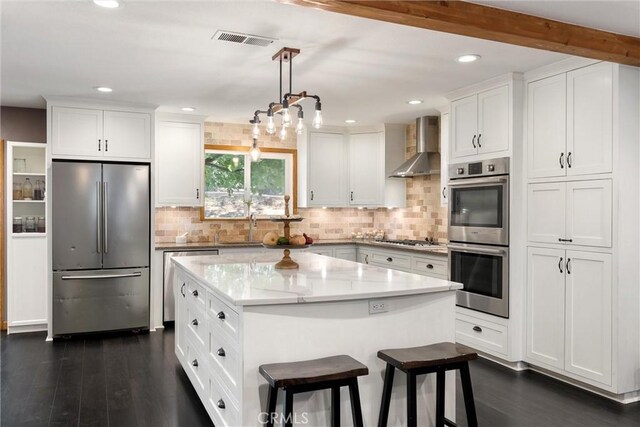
(414, 361)
(310, 375)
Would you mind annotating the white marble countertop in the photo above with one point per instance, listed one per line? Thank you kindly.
(251, 279)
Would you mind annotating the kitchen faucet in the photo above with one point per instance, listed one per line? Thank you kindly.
(252, 224)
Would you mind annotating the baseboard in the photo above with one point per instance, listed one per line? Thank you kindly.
(19, 329)
(514, 366)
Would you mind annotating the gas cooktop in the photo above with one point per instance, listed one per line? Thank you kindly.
(407, 242)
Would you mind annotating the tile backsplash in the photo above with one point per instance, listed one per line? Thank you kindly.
(423, 216)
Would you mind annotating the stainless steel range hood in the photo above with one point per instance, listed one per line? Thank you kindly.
(427, 159)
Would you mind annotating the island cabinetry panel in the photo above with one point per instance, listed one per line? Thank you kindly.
(87, 132)
(221, 407)
(224, 359)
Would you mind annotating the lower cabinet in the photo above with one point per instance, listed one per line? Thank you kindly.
(569, 312)
(411, 262)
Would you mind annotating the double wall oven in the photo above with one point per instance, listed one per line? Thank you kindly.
(479, 234)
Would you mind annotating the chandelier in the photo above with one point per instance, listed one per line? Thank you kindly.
(283, 107)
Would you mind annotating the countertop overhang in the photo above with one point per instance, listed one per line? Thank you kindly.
(251, 279)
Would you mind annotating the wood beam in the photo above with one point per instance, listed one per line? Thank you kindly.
(489, 23)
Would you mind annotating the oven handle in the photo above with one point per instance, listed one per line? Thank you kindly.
(478, 181)
(476, 250)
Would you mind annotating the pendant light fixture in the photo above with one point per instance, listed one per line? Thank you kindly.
(283, 106)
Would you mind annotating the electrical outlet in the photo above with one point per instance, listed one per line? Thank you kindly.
(378, 306)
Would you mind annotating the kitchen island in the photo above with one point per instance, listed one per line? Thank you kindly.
(235, 312)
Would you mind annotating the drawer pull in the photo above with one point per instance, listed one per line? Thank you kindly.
(195, 363)
(221, 352)
(220, 404)
(389, 259)
(194, 322)
(477, 328)
(430, 266)
(182, 289)
(194, 293)
(221, 315)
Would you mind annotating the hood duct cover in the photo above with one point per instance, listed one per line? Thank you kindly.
(427, 158)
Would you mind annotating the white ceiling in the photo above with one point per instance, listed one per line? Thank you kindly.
(161, 53)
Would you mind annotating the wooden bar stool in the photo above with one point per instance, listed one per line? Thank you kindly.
(310, 375)
(438, 358)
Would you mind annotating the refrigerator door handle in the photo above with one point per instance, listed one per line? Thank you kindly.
(98, 216)
(105, 213)
(103, 276)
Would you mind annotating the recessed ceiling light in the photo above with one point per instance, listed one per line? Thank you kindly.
(109, 4)
(468, 58)
(350, 121)
(103, 89)
(415, 102)
(188, 109)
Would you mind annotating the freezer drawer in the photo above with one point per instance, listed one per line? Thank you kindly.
(100, 300)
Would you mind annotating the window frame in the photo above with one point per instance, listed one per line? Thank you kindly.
(245, 150)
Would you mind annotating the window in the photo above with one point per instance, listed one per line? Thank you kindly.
(235, 187)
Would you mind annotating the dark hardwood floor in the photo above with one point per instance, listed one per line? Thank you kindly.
(135, 380)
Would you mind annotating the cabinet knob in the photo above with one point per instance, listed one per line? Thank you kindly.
(221, 352)
(106, 145)
(366, 259)
(182, 289)
(195, 362)
(99, 145)
(352, 196)
(311, 194)
(195, 293)
(221, 315)
(389, 259)
(560, 265)
(569, 159)
(473, 141)
(198, 193)
(444, 195)
(194, 322)
(430, 266)
(220, 404)
(568, 265)
(479, 136)
(561, 160)
(565, 240)
(477, 328)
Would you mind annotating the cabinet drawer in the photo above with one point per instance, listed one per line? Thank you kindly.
(224, 360)
(196, 323)
(196, 368)
(223, 317)
(196, 293)
(390, 260)
(430, 267)
(482, 335)
(221, 406)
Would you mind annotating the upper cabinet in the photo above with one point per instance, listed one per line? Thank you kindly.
(444, 158)
(326, 169)
(570, 122)
(366, 169)
(480, 123)
(179, 160)
(95, 133)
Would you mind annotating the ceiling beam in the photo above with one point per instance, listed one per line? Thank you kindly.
(489, 23)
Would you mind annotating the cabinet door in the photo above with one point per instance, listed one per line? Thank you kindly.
(346, 253)
(546, 127)
(444, 158)
(590, 120)
(546, 212)
(366, 169)
(493, 120)
(546, 306)
(589, 315)
(464, 122)
(179, 293)
(589, 212)
(327, 170)
(127, 135)
(179, 152)
(76, 132)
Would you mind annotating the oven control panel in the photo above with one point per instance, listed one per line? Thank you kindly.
(478, 169)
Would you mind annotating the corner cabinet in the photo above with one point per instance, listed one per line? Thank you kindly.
(102, 134)
(26, 237)
(179, 161)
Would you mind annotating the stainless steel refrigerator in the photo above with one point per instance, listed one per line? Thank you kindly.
(101, 246)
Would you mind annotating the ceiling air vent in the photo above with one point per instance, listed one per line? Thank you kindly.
(229, 36)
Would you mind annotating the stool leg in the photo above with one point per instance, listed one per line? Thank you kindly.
(440, 398)
(356, 409)
(272, 397)
(469, 404)
(288, 408)
(386, 396)
(335, 406)
(412, 409)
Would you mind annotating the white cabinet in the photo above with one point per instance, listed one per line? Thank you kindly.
(85, 132)
(570, 122)
(26, 237)
(179, 160)
(444, 158)
(576, 212)
(366, 169)
(480, 123)
(350, 254)
(179, 295)
(569, 315)
(327, 167)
